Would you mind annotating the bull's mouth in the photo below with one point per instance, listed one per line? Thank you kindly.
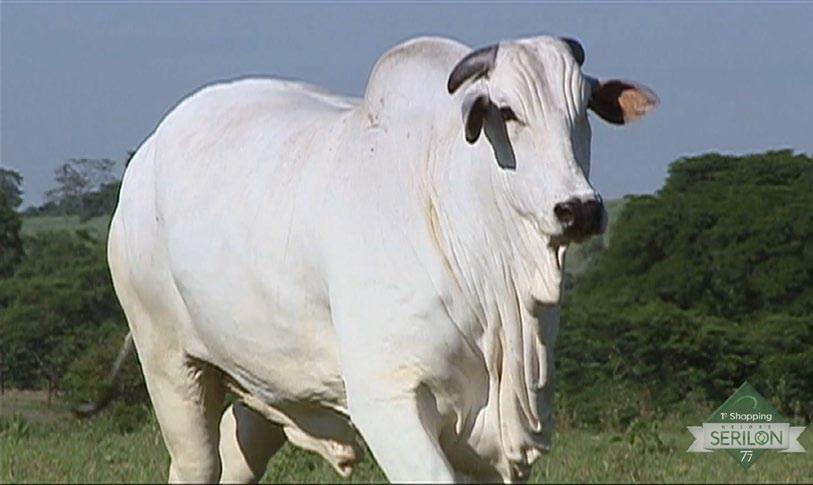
(557, 245)
(558, 251)
(546, 288)
(548, 268)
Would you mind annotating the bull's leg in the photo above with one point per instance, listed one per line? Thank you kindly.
(383, 373)
(187, 395)
(247, 442)
(188, 398)
(398, 428)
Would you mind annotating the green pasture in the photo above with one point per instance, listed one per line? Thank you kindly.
(42, 444)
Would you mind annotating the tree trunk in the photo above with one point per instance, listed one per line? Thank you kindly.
(53, 388)
(50, 393)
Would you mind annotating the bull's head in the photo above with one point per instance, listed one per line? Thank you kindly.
(530, 99)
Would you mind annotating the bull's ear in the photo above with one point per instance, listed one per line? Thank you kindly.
(620, 102)
(475, 114)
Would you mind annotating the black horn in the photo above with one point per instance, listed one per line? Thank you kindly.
(475, 65)
(575, 48)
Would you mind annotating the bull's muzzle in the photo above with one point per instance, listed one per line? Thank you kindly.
(581, 219)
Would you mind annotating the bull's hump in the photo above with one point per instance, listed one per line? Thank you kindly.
(413, 72)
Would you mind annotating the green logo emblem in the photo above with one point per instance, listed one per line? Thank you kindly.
(746, 426)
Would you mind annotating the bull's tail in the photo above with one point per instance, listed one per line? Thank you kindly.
(88, 409)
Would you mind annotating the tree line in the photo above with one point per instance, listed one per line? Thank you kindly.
(58, 311)
(705, 284)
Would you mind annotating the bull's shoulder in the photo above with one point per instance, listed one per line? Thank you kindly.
(412, 74)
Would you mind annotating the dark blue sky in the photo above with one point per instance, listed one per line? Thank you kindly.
(92, 80)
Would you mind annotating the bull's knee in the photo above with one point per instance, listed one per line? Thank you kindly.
(247, 442)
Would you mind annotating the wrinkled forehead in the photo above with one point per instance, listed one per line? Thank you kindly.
(543, 69)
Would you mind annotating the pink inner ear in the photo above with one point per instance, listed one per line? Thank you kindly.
(636, 101)
(621, 102)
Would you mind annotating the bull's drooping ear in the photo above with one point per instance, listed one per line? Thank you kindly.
(475, 114)
(620, 102)
(482, 116)
(475, 65)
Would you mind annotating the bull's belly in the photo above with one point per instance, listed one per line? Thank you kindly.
(282, 366)
(295, 381)
(284, 350)
(279, 352)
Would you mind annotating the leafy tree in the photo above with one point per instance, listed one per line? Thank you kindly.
(89, 379)
(58, 303)
(705, 284)
(78, 178)
(10, 186)
(11, 246)
(100, 202)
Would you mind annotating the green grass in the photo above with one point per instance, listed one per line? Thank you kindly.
(49, 445)
(36, 224)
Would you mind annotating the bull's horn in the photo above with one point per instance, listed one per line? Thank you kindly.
(475, 65)
(575, 48)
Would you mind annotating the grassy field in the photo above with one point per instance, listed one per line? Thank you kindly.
(41, 444)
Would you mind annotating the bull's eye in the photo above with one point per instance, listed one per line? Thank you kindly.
(507, 114)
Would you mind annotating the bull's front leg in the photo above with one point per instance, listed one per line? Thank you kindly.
(385, 352)
(400, 427)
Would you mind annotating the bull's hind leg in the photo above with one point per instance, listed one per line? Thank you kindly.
(188, 399)
(247, 442)
(187, 394)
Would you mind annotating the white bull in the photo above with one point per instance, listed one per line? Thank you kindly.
(368, 266)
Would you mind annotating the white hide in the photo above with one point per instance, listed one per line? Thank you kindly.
(354, 265)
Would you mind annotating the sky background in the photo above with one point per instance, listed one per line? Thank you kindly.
(93, 79)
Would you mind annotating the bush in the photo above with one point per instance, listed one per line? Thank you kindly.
(11, 246)
(58, 302)
(89, 380)
(782, 346)
(128, 418)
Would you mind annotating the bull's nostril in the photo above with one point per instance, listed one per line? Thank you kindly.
(566, 213)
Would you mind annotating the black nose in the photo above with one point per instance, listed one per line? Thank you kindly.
(580, 219)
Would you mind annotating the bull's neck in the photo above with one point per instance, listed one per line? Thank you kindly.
(493, 254)
(484, 239)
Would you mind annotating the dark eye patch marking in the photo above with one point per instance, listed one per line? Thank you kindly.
(508, 114)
